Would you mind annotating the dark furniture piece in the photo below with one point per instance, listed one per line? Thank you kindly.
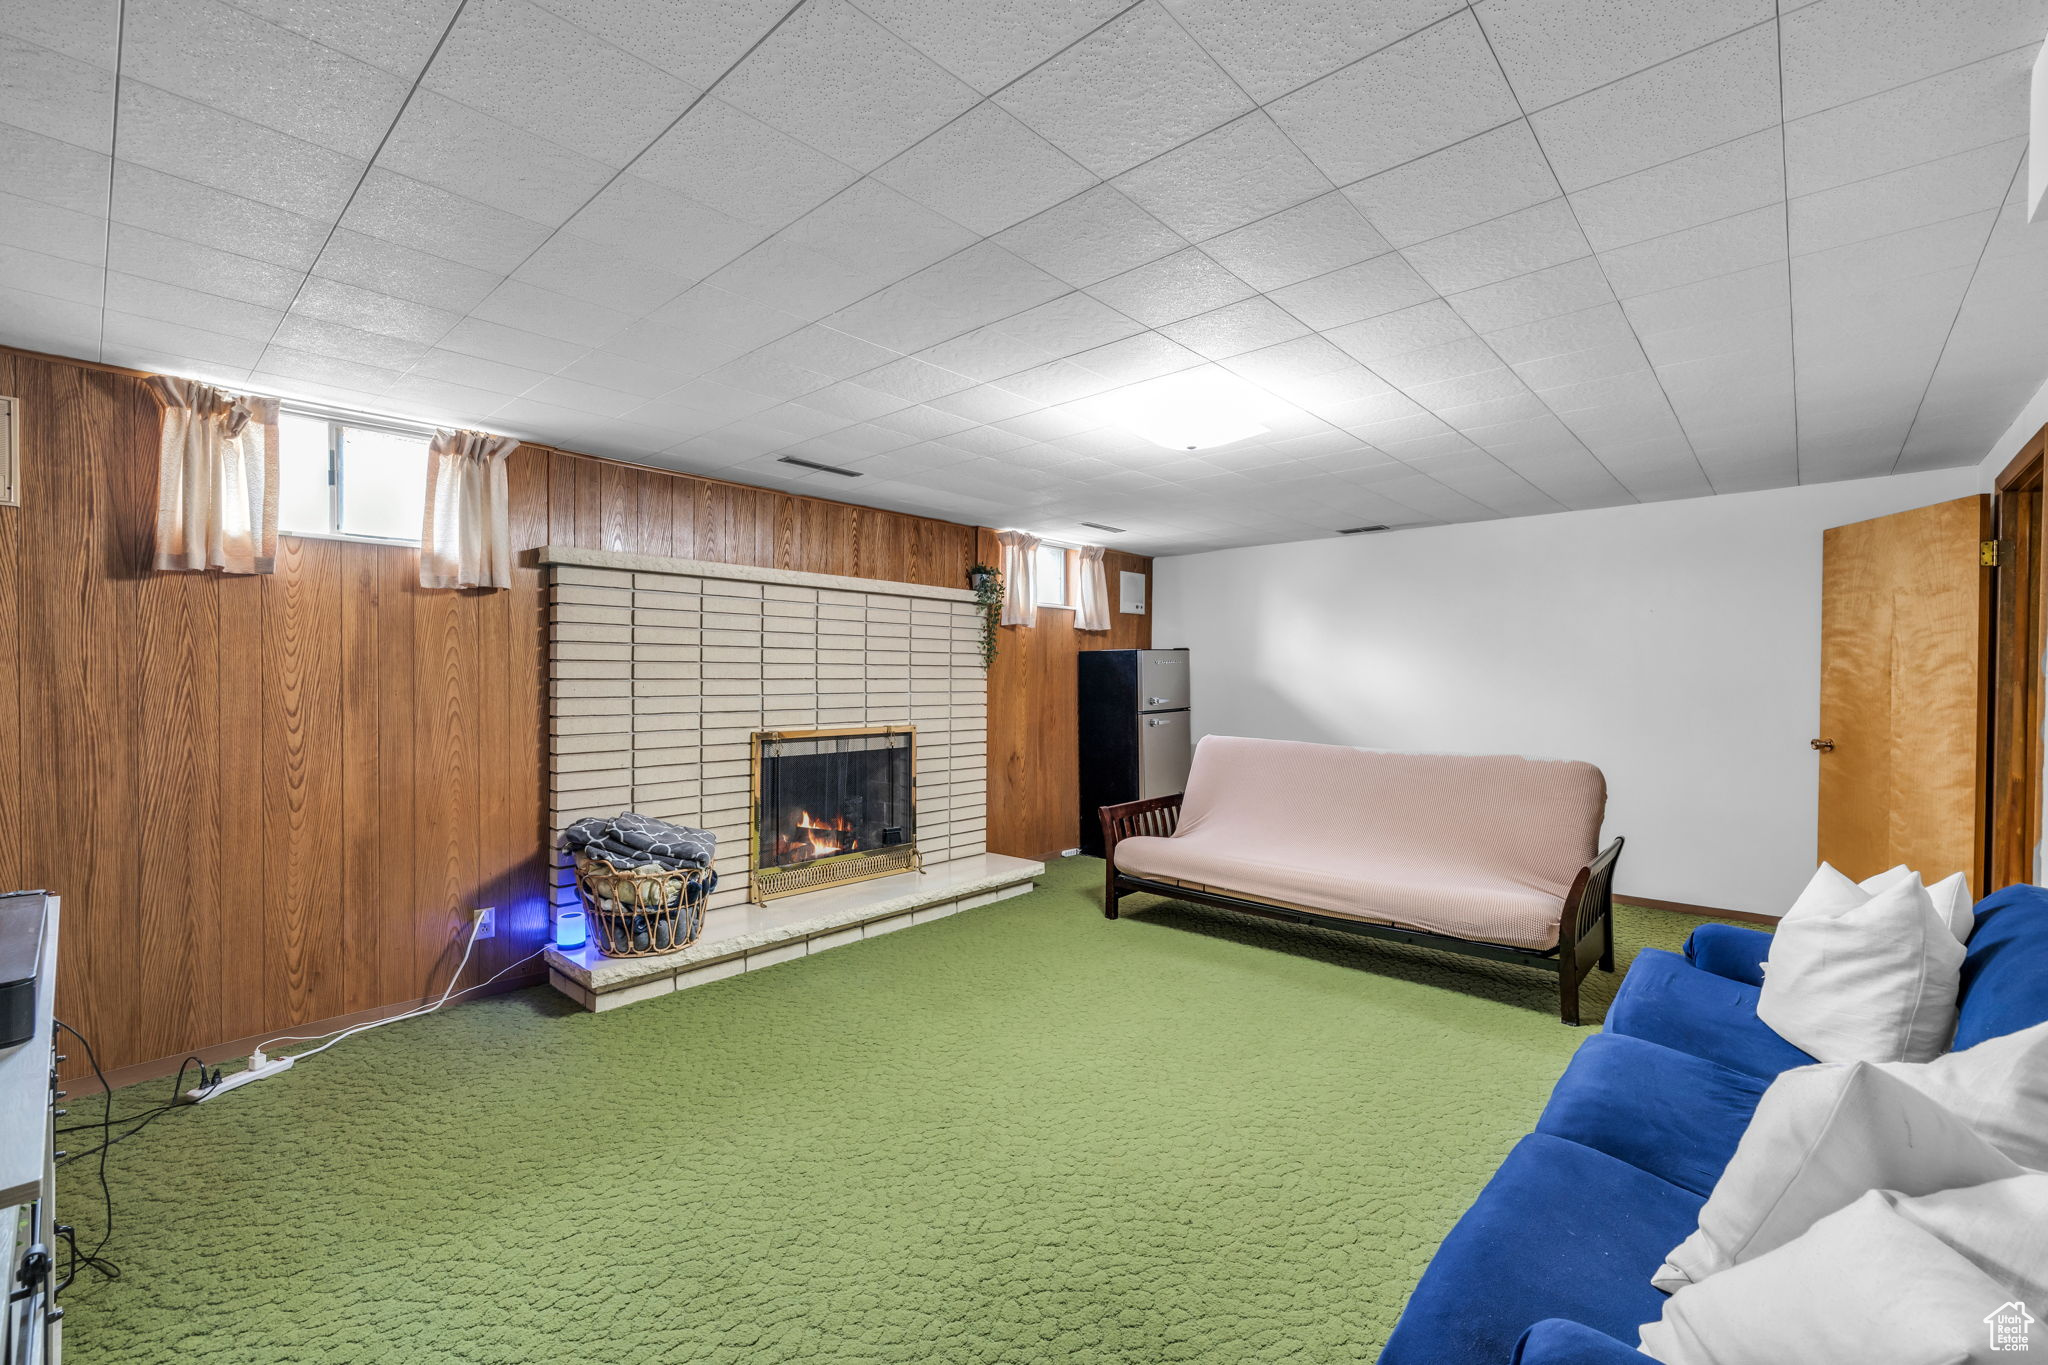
(1585, 934)
(1134, 735)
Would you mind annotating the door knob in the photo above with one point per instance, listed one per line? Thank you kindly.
(1826, 746)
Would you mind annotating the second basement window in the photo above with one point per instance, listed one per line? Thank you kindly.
(337, 478)
(1052, 576)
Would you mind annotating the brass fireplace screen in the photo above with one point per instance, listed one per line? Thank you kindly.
(832, 806)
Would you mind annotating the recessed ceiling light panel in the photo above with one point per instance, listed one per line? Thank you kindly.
(1198, 410)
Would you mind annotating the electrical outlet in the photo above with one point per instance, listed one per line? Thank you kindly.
(486, 922)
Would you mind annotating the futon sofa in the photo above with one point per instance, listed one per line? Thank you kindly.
(1551, 1265)
(1491, 856)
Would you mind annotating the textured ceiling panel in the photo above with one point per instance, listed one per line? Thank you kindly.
(1456, 261)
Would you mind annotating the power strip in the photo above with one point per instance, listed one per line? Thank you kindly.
(260, 1067)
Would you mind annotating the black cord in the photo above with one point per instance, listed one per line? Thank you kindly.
(81, 1259)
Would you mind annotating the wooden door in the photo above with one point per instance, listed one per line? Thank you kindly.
(2021, 634)
(1905, 631)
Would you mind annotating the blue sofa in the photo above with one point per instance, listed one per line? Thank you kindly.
(1551, 1265)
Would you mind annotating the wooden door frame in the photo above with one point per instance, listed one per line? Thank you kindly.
(2019, 632)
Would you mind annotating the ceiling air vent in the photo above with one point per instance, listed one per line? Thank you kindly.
(1362, 530)
(1098, 526)
(821, 468)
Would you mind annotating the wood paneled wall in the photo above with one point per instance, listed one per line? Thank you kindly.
(269, 801)
(1034, 771)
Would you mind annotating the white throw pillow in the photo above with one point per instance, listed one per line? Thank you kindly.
(2000, 1227)
(1999, 1088)
(1866, 1285)
(1869, 982)
(1821, 1137)
(1951, 897)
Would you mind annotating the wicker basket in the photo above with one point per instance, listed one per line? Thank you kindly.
(643, 912)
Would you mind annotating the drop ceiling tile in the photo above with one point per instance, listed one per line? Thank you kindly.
(1178, 286)
(967, 290)
(792, 279)
(449, 145)
(301, 332)
(403, 272)
(1424, 93)
(1603, 325)
(986, 170)
(1762, 337)
(879, 234)
(1584, 366)
(1846, 49)
(986, 403)
(1919, 195)
(510, 345)
(1969, 107)
(693, 40)
(1356, 292)
(925, 423)
(345, 380)
(443, 403)
(1090, 237)
(87, 30)
(731, 320)
(53, 171)
(1528, 240)
(476, 372)
(181, 339)
(568, 264)
(309, 91)
(515, 303)
(1270, 51)
(35, 272)
(1748, 173)
(58, 96)
(1712, 249)
(176, 261)
(163, 203)
(397, 38)
(1242, 171)
(141, 297)
(994, 42)
(43, 323)
(1882, 264)
(1714, 95)
(1483, 177)
(1233, 329)
(914, 380)
(396, 209)
(1760, 288)
(583, 397)
(1563, 288)
(529, 68)
(1303, 358)
(346, 305)
(199, 143)
(1148, 355)
(720, 156)
(853, 401)
(831, 354)
(1297, 244)
(835, 79)
(663, 227)
(1555, 49)
(1130, 90)
(1435, 364)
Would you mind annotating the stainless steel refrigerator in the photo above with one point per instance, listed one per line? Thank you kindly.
(1135, 740)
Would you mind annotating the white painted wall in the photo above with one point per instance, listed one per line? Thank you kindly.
(1674, 644)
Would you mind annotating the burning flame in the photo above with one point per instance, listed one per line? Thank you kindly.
(825, 835)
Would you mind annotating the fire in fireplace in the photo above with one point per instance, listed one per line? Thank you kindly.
(832, 806)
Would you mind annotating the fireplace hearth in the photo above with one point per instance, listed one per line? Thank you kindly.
(832, 806)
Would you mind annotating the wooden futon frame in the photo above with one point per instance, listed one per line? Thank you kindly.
(1585, 931)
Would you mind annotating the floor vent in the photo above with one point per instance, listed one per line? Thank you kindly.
(821, 468)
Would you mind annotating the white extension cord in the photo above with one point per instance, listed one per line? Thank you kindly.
(262, 1066)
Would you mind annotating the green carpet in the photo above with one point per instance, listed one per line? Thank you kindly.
(1024, 1133)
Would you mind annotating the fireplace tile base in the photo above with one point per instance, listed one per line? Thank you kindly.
(746, 938)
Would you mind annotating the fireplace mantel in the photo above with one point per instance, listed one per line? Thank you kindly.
(745, 573)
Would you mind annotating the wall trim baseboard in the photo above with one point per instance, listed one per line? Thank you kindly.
(238, 1049)
(1684, 908)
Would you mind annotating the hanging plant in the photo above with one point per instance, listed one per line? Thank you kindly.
(988, 595)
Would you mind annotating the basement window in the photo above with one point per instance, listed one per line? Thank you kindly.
(1051, 573)
(350, 480)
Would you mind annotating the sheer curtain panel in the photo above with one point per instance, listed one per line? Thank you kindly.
(216, 492)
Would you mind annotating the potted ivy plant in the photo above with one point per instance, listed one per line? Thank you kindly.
(988, 595)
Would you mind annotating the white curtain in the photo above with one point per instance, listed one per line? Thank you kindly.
(466, 534)
(216, 492)
(1020, 577)
(1091, 595)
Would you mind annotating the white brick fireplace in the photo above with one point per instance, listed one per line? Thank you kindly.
(661, 672)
